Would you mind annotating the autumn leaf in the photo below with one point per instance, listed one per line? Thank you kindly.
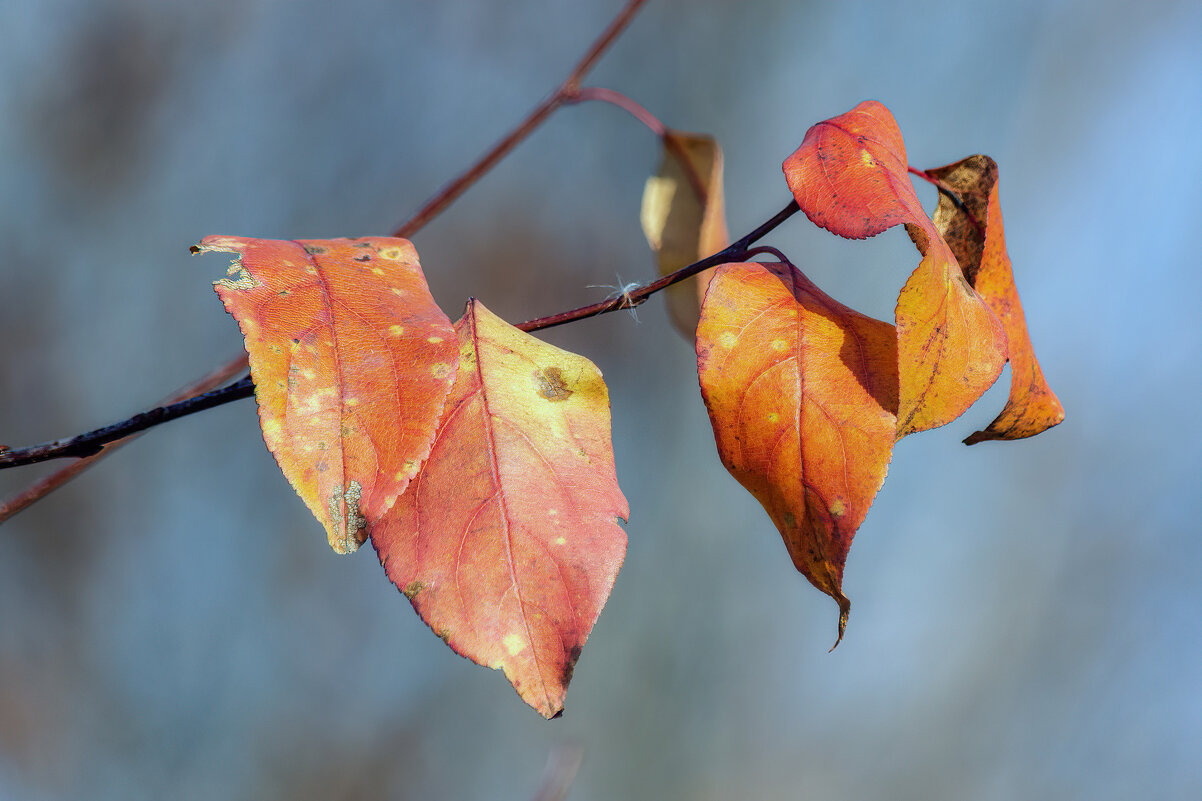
(352, 361)
(507, 541)
(850, 176)
(802, 395)
(684, 218)
(975, 234)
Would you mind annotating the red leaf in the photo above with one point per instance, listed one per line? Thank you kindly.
(802, 395)
(976, 235)
(850, 174)
(506, 542)
(850, 177)
(352, 361)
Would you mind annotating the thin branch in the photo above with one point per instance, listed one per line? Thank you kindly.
(91, 443)
(636, 297)
(449, 193)
(45, 486)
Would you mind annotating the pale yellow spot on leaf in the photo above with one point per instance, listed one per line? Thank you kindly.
(866, 159)
(396, 330)
(780, 345)
(272, 429)
(514, 644)
(727, 340)
(377, 271)
(837, 508)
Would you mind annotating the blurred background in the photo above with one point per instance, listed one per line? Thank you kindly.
(1027, 617)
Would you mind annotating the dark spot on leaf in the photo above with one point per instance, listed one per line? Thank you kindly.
(551, 384)
(413, 588)
(314, 249)
(364, 257)
(569, 666)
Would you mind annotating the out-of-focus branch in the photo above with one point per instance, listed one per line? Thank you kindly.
(569, 88)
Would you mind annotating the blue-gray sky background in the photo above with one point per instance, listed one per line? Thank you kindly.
(1027, 617)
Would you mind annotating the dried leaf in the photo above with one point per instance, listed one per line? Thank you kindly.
(507, 541)
(976, 235)
(684, 218)
(802, 395)
(850, 177)
(352, 361)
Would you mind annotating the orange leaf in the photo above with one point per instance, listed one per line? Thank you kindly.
(352, 361)
(802, 395)
(506, 542)
(979, 243)
(850, 177)
(684, 218)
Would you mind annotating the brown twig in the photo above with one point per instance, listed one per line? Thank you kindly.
(449, 193)
(45, 486)
(636, 297)
(91, 443)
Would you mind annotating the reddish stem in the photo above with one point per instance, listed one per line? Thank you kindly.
(653, 123)
(761, 250)
(620, 100)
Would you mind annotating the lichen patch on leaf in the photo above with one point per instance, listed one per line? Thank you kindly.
(551, 384)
